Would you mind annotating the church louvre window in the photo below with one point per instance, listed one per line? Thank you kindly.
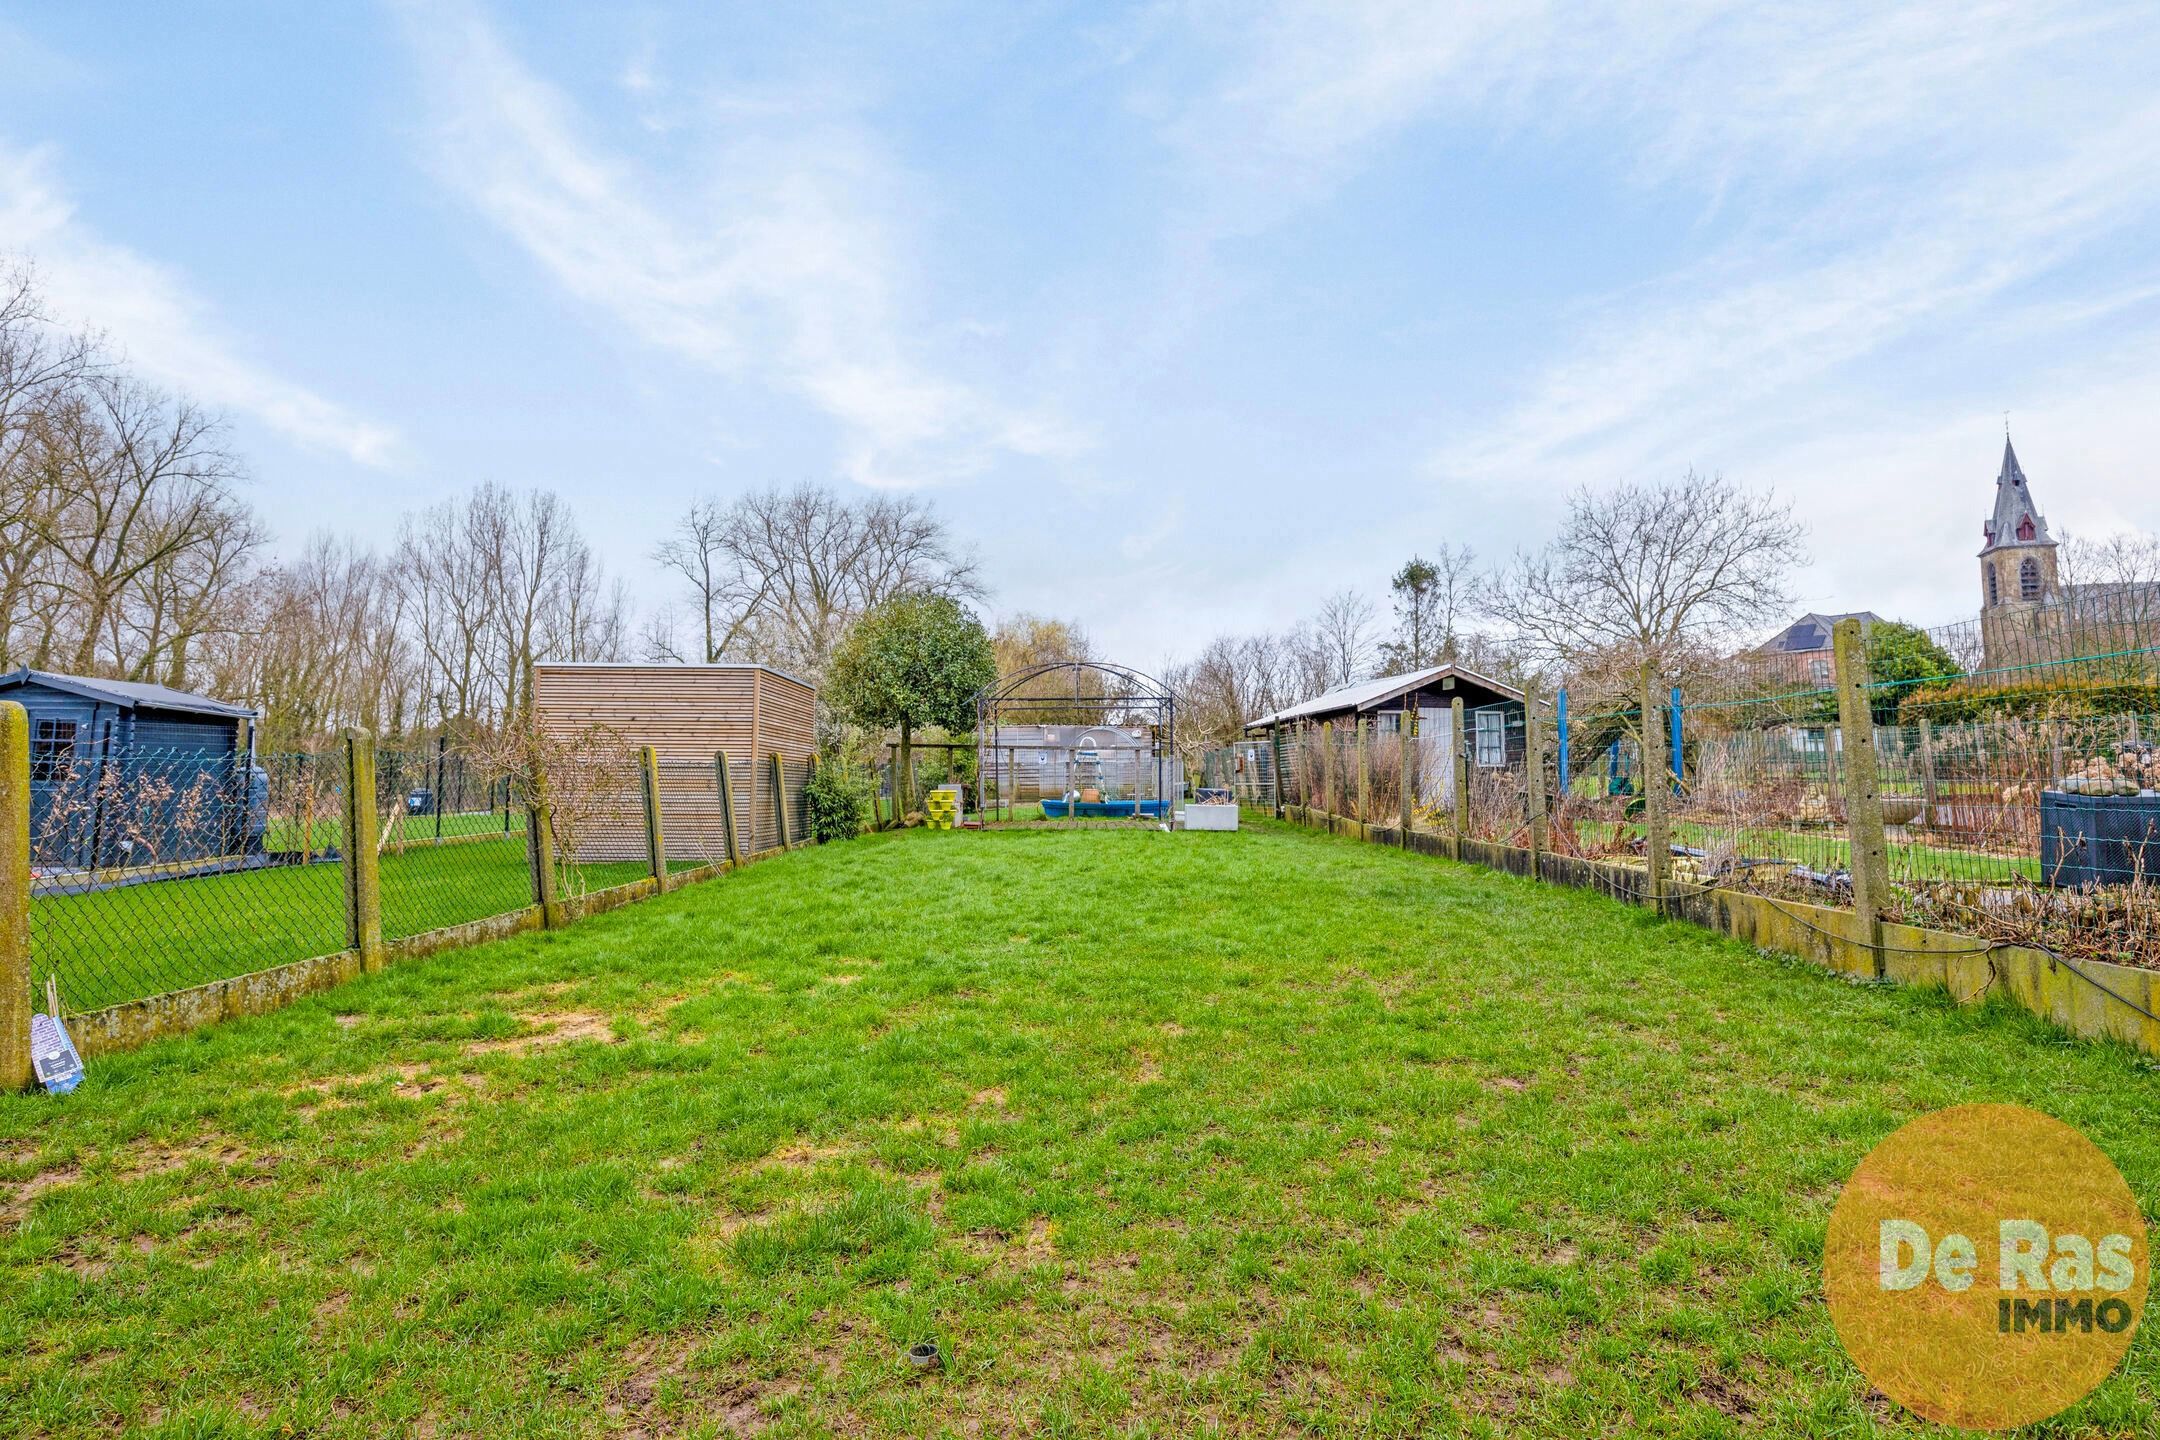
(1994, 586)
(2029, 580)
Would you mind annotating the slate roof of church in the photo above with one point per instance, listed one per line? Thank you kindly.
(2013, 506)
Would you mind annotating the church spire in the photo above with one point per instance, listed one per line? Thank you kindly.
(2017, 520)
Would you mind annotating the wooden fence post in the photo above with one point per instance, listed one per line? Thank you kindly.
(540, 859)
(1656, 785)
(1460, 743)
(15, 1001)
(1534, 776)
(779, 799)
(1869, 855)
(655, 842)
(363, 864)
(727, 807)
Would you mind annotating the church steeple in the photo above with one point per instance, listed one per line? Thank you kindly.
(2017, 521)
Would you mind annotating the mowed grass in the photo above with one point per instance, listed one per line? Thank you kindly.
(130, 941)
(1249, 1134)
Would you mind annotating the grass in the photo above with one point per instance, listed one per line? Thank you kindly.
(109, 946)
(1250, 1134)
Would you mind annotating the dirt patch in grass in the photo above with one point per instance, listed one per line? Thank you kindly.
(564, 1027)
(23, 1192)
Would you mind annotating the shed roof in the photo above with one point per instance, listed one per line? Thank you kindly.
(1370, 694)
(128, 694)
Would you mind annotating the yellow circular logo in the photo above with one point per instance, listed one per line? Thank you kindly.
(1986, 1266)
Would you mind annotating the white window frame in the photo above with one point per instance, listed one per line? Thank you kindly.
(1491, 739)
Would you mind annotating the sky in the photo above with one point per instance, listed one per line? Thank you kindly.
(1185, 315)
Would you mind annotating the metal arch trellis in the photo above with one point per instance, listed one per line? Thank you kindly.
(1121, 696)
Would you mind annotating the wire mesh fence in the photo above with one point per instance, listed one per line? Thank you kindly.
(451, 839)
(154, 869)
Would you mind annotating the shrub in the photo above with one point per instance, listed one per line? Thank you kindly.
(836, 799)
(2055, 698)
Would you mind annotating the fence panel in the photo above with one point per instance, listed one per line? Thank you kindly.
(452, 839)
(154, 870)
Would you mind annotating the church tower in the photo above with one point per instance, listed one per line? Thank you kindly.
(2017, 565)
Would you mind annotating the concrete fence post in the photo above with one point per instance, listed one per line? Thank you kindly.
(727, 807)
(1406, 732)
(1460, 743)
(1869, 857)
(779, 800)
(1534, 778)
(1930, 792)
(1656, 786)
(655, 842)
(363, 859)
(15, 1001)
(1364, 774)
(1275, 756)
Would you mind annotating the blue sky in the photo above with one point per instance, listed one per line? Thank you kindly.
(1186, 314)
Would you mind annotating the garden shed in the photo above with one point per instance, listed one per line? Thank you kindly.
(1492, 719)
(687, 713)
(124, 773)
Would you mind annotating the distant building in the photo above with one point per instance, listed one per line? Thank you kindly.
(1492, 719)
(2028, 615)
(1800, 652)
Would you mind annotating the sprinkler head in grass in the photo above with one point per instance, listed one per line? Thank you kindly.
(923, 1355)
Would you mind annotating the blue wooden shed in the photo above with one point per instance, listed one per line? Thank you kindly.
(130, 774)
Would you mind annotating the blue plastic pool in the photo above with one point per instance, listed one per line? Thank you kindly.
(1101, 809)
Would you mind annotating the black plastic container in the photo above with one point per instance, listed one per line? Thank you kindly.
(2099, 839)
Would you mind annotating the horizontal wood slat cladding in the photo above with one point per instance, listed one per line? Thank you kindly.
(686, 713)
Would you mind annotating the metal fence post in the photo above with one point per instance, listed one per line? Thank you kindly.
(1869, 855)
(540, 858)
(363, 861)
(727, 807)
(1460, 743)
(779, 799)
(1560, 716)
(1534, 777)
(655, 842)
(15, 1002)
(1675, 716)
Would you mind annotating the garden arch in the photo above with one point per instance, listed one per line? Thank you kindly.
(1090, 740)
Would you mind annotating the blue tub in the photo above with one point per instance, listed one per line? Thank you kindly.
(1102, 809)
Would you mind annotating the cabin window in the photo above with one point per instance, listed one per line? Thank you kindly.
(1819, 670)
(52, 750)
(1387, 722)
(2029, 580)
(1491, 739)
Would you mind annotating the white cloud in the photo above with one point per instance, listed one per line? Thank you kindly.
(149, 312)
(784, 268)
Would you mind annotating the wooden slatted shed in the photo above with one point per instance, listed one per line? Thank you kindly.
(688, 713)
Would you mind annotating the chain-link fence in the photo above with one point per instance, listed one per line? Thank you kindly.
(157, 869)
(154, 870)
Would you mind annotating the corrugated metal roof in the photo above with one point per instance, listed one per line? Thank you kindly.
(1365, 694)
(130, 694)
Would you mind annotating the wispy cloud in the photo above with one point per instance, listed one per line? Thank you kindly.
(151, 313)
(782, 267)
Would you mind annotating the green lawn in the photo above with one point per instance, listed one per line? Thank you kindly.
(123, 943)
(1249, 1134)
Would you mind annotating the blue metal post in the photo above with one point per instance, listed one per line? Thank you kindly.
(1560, 708)
(1674, 712)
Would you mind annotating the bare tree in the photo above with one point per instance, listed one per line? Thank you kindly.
(1343, 629)
(1432, 600)
(778, 575)
(1643, 579)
